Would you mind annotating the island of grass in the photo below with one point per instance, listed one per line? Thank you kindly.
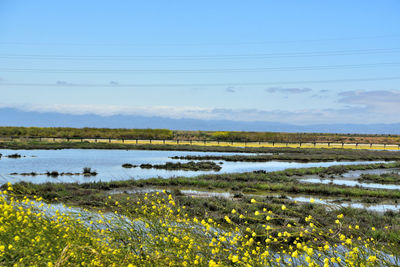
(128, 165)
(11, 156)
(86, 172)
(301, 155)
(384, 178)
(187, 166)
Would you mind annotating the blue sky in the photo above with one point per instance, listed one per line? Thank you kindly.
(300, 62)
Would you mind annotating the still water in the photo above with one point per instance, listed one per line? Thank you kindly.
(351, 183)
(108, 163)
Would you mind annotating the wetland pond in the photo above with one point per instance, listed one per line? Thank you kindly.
(108, 164)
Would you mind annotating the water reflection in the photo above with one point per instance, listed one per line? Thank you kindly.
(108, 164)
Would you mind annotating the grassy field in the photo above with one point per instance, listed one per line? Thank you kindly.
(244, 144)
(226, 137)
(302, 155)
(48, 143)
(386, 178)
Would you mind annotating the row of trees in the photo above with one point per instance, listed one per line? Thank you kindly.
(85, 132)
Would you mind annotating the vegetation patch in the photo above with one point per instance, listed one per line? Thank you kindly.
(128, 165)
(86, 172)
(12, 156)
(385, 178)
(67, 132)
(304, 155)
(187, 166)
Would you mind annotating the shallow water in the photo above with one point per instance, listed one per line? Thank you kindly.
(108, 164)
(350, 183)
(306, 199)
(358, 173)
(356, 205)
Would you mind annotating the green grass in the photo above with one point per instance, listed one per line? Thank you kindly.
(385, 178)
(187, 166)
(306, 155)
(238, 136)
(67, 132)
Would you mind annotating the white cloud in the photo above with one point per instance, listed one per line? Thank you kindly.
(288, 90)
(383, 101)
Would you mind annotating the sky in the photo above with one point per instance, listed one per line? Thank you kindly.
(299, 62)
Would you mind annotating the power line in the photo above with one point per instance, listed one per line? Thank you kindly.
(123, 71)
(205, 44)
(112, 84)
(203, 57)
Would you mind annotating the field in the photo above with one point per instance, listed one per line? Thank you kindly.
(53, 143)
(236, 144)
(215, 137)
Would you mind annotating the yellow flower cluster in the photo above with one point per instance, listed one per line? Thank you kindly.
(156, 231)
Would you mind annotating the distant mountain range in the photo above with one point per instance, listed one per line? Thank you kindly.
(15, 117)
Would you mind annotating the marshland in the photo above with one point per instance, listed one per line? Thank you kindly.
(199, 133)
(270, 200)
